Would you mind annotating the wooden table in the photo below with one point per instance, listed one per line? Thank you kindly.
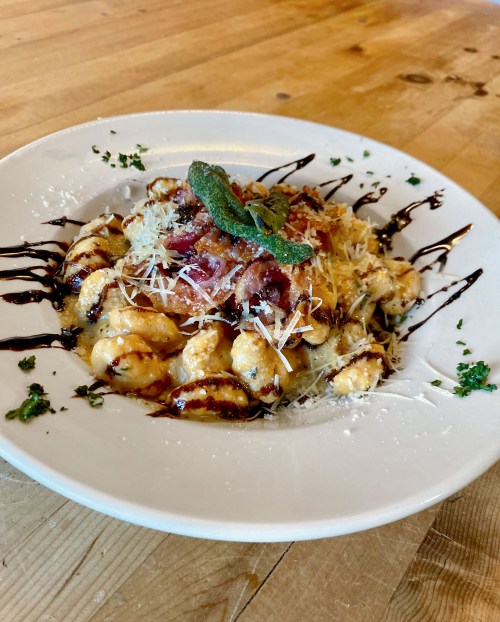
(422, 76)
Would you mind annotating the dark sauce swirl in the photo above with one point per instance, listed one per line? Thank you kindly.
(469, 282)
(446, 245)
(67, 338)
(403, 218)
(296, 164)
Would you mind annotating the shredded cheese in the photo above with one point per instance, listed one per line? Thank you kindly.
(265, 333)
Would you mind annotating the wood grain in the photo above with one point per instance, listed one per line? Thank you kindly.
(456, 572)
(422, 76)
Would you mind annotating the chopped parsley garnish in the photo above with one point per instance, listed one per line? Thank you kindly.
(459, 324)
(335, 161)
(370, 173)
(33, 406)
(472, 377)
(461, 343)
(466, 351)
(27, 363)
(137, 162)
(94, 399)
(413, 180)
(112, 132)
(349, 159)
(366, 153)
(124, 160)
(375, 184)
(436, 383)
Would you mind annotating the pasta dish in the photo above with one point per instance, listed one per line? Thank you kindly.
(220, 299)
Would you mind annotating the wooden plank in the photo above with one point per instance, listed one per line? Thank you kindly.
(158, 22)
(183, 85)
(355, 575)
(82, 84)
(195, 580)
(456, 572)
(70, 565)
(24, 506)
(18, 8)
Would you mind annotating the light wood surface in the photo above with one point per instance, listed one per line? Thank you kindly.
(423, 76)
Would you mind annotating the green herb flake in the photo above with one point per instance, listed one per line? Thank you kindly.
(436, 383)
(33, 406)
(211, 185)
(466, 351)
(95, 149)
(335, 161)
(28, 363)
(366, 154)
(461, 343)
(82, 390)
(413, 180)
(472, 377)
(349, 159)
(94, 399)
(123, 160)
(106, 157)
(62, 409)
(112, 132)
(375, 184)
(370, 173)
(136, 162)
(141, 148)
(459, 324)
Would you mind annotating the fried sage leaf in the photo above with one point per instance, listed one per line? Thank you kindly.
(211, 185)
(269, 214)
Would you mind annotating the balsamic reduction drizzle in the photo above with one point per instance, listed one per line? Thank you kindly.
(341, 182)
(63, 221)
(402, 219)
(53, 259)
(446, 245)
(369, 197)
(28, 249)
(67, 339)
(469, 281)
(299, 164)
(27, 274)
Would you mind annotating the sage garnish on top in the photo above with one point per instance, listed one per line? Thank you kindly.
(258, 220)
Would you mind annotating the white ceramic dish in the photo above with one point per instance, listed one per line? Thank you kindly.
(320, 473)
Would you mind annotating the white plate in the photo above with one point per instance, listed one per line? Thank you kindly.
(320, 473)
